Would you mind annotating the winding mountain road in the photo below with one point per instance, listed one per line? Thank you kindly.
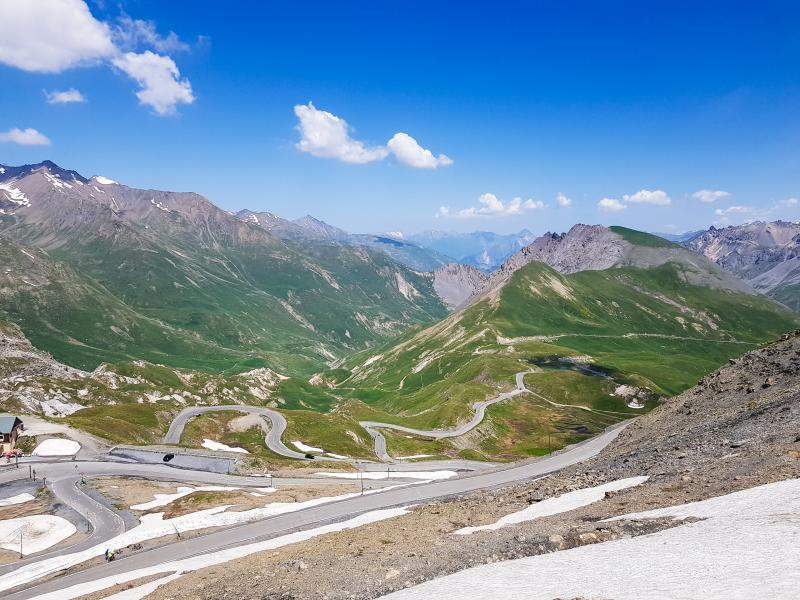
(314, 516)
(480, 412)
(273, 438)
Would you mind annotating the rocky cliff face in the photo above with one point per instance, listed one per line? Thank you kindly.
(766, 255)
(456, 283)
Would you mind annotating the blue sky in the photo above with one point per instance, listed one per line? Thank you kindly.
(628, 109)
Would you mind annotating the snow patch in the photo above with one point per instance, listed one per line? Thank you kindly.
(304, 448)
(744, 547)
(557, 505)
(57, 447)
(219, 446)
(424, 475)
(202, 561)
(14, 195)
(104, 180)
(413, 456)
(18, 499)
(164, 499)
(38, 532)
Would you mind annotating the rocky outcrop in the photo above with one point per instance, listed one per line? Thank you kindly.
(456, 283)
(766, 255)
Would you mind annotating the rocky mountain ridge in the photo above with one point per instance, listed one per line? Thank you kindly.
(766, 255)
(178, 272)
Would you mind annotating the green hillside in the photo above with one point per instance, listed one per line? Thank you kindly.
(644, 328)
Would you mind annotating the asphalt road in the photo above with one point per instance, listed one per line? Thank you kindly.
(480, 412)
(273, 439)
(63, 479)
(321, 514)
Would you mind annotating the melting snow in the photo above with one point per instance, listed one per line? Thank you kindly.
(413, 456)
(179, 567)
(14, 195)
(159, 205)
(425, 475)
(745, 547)
(39, 532)
(339, 456)
(303, 448)
(57, 183)
(557, 505)
(104, 180)
(57, 447)
(154, 526)
(18, 499)
(164, 499)
(212, 445)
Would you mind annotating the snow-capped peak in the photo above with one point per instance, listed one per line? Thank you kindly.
(104, 180)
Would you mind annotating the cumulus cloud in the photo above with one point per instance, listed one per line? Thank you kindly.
(325, 135)
(408, 152)
(563, 201)
(50, 37)
(611, 205)
(709, 196)
(53, 36)
(65, 97)
(789, 203)
(159, 79)
(658, 197)
(24, 137)
(490, 206)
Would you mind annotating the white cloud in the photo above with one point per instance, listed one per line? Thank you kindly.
(55, 35)
(407, 151)
(325, 135)
(130, 33)
(658, 197)
(52, 36)
(734, 210)
(65, 97)
(563, 201)
(159, 79)
(611, 205)
(491, 206)
(24, 137)
(709, 196)
(789, 203)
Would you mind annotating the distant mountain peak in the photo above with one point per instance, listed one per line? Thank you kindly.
(8, 172)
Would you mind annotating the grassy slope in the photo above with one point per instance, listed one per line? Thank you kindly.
(460, 360)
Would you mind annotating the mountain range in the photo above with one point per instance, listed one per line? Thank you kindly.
(482, 249)
(95, 271)
(765, 255)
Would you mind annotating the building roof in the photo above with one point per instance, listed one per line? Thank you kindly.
(7, 424)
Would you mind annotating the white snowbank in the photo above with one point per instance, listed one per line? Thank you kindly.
(39, 532)
(303, 448)
(154, 525)
(144, 590)
(104, 180)
(413, 456)
(339, 456)
(745, 548)
(219, 446)
(164, 499)
(57, 447)
(426, 475)
(18, 499)
(559, 504)
(215, 558)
